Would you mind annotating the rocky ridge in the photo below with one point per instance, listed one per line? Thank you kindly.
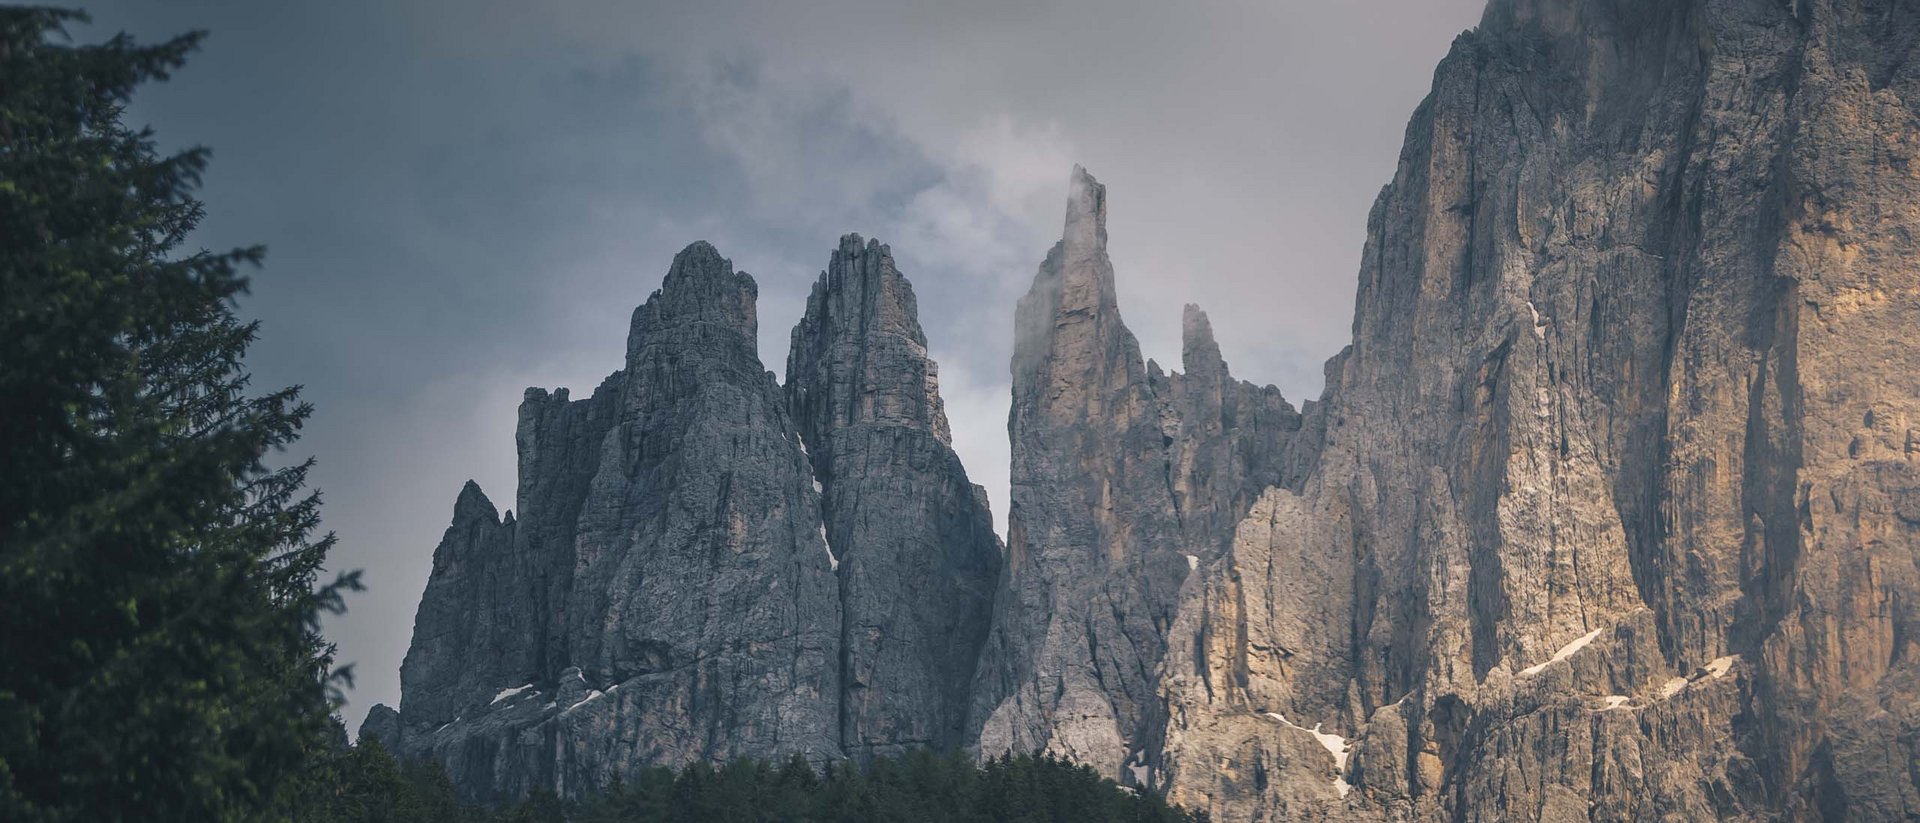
(1608, 512)
(707, 565)
(1605, 522)
(665, 594)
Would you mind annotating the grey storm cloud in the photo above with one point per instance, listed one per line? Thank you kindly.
(464, 198)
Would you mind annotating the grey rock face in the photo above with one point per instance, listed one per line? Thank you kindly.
(669, 594)
(1603, 518)
(701, 588)
(479, 596)
(913, 539)
(666, 595)
(1123, 479)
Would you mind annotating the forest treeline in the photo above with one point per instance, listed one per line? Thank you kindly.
(364, 783)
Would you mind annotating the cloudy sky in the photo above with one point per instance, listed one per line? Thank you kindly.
(464, 198)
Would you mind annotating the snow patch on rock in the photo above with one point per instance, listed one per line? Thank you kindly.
(1565, 652)
(506, 693)
(1335, 745)
(591, 696)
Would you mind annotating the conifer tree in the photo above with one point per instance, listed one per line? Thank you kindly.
(160, 656)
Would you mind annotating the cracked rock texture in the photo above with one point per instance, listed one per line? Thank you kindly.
(666, 594)
(1611, 516)
(1123, 479)
(709, 566)
(913, 539)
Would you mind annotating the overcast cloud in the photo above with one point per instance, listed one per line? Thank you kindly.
(464, 198)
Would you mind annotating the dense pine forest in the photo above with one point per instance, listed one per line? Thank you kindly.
(365, 783)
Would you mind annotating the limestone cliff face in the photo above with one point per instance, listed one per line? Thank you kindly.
(1123, 479)
(913, 539)
(1610, 516)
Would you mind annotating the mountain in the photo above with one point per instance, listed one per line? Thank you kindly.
(670, 591)
(1613, 517)
(666, 593)
(1609, 512)
(1124, 480)
(916, 553)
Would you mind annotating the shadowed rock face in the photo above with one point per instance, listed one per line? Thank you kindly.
(702, 589)
(671, 591)
(1123, 479)
(1605, 521)
(912, 537)
(666, 595)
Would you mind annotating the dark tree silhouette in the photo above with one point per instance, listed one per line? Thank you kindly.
(160, 657)
(921, 787)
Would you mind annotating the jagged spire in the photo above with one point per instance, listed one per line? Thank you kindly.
(1086, 274)
(1199, 354)
(474, 505)
(859, 354)
(916, 553)
(1092, 528)
(701, 288)
(1086, 230)
(1071, 313)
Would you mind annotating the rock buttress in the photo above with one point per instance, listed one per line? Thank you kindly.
(1607, 493)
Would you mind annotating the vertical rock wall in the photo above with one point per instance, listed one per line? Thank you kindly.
(666, 594)
(1607, 496)
(1124, 479)
(912, 537)
(707, 566)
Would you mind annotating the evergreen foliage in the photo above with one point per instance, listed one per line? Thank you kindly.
(160, 655)
(921, 787)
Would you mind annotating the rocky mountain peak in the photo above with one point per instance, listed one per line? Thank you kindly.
(702, 302)
(1070, 344)
(858, 355)
(1577, 536)
(911, 536)
(1124, 480)
(1199, 354)
(688, 579)
(1086, 225)
(473, 505)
